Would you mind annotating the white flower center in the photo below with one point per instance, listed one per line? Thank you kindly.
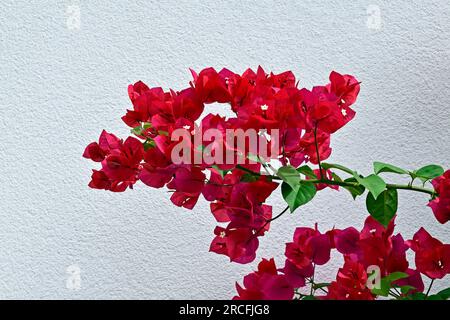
(264, 107)
(222, 234)
(344, 112)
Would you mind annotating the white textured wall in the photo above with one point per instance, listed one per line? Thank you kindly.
(59, 87)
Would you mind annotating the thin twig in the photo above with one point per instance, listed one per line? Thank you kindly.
(317, 151)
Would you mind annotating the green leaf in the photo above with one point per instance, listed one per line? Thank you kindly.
(200, 147)
(321, 285)
(163, 133)
(354, 190)
(248, 177)
(429, 172)
(441, 295)
(386, 283)
(327, 166)
(137, 130)
(379, 167)
(146, 125)
(301, 194)
(444, 293)
(418, 296)
(222, 173)
(383, 290)
(373, 183)
(307, 171)
(254, 158)
(289, 175)
(141, 128)
(309, 298)
(394, 276)
(335, 177)
(384, 207)
(406, 289)
(149, 143)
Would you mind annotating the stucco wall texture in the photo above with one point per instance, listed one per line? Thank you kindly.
(64, 79)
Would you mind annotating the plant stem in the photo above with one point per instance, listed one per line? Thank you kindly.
(339, 167)
(392, 293)
(279, 215)
(270, 220)
(389, 186)
(265, 169)
(429, 288)
(312, 280)
(349, 184)
(317, 152)
(323, 290)
(238, 166)
(408, 187)
(256, 173)
(334, 183)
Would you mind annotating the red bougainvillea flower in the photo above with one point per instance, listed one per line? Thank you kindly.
(188, 184)
(328, 107)
(220, 187)
(347, 240)
(344, 87)
(120, 162)
(239, 244)
(139, 97)
(351, 283)
(307, 144)
(297, 276)
(244, 204)
(309, 246)
(298, 148)
(187, 104)
(413, 280)
(374, 245)
(441, 205)
(97, 151)
(432, 256)
(240, 203)
(265, 284)
(157, 169)
(396, 259)
(212, 86)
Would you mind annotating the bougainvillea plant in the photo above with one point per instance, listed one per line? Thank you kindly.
(279, 136)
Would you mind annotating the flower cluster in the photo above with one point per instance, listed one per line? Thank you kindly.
(296, 125)
(263, 102)
(373, 249)
(441, 205)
